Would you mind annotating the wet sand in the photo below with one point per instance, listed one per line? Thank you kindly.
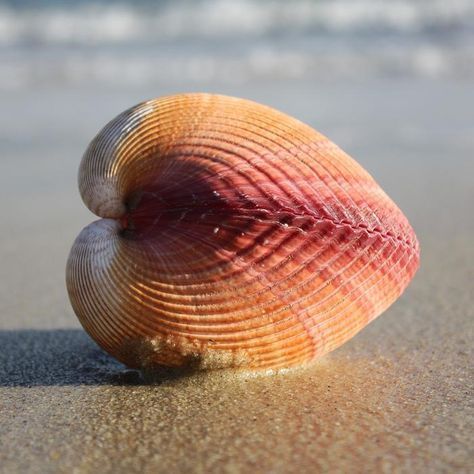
(396, 398)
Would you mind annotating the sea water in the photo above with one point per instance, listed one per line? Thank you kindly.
(144, 42)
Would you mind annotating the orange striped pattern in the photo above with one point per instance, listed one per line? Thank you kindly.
(231, 235)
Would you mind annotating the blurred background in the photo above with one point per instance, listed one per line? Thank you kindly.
(145, 42)
(390, 81)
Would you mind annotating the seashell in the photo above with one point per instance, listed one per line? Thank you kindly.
(231, 235)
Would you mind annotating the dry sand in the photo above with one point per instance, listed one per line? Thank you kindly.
(397, 398)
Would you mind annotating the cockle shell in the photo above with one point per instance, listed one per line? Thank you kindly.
(232, 235)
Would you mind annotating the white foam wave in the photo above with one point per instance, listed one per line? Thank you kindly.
(115, 23)
(260, 64)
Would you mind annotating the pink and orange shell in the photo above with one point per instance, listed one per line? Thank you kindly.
(231, 235)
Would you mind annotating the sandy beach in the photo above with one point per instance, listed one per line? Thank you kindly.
(396, 398)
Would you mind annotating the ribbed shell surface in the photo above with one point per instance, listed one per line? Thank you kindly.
(232, 235)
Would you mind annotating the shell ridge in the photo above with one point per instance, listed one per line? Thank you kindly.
(327, 265)
(383, 303)
(331, 262)
(355, 226)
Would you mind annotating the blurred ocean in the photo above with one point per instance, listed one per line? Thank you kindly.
(144, 42)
